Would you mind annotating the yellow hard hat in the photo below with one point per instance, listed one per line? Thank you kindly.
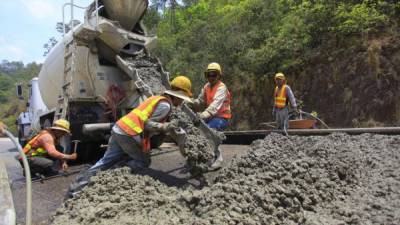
(182, 83)
(280, 76)
(61, 124)
(214, 67)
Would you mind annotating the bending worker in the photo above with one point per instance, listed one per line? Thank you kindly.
(129, 143)
(42, 155)
(130, 136)
(282, 95)
(215, 99)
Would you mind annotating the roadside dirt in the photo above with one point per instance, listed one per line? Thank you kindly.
(336, 179)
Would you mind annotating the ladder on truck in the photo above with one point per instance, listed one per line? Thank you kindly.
(63, 100)
(80, 37)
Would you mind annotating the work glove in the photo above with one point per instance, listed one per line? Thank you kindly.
(296, 110)
(273, 112)
(166, 127)
(204, 115)
(190, 104)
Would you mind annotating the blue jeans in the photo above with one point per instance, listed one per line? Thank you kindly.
(218, 123)
(122, 148)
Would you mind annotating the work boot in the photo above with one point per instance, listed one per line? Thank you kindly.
(217, 162)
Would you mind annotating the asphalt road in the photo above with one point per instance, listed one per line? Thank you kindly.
(167, 166)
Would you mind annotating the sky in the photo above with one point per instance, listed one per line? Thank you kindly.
(26, 25)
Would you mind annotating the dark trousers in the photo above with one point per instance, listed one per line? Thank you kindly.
(42, 165)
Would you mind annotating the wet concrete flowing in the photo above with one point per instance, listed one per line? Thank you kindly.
(336, 179)
(149, 71)
(197, 149)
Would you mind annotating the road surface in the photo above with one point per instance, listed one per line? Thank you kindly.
(167, 166)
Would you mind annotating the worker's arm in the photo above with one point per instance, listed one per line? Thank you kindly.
(2, 127)
(200, 100)
(154, 123)
(48, 143)
(219, 98)
(290, 95)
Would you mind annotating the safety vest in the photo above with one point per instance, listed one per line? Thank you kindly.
(133, 122)
(225, 110)
(32, 149)
(280, 98)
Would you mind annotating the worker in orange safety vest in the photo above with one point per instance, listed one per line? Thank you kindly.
(282, 96)
(130, 136)
(2, 127)
(41, 152)
(215, 102)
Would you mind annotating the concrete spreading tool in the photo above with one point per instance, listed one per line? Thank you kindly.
(215, 138)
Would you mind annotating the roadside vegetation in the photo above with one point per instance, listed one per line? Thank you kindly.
(254, 39)
(11, 74)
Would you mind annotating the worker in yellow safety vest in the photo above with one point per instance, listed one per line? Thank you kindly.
(130, 136)
(282, 96)
(41, 152)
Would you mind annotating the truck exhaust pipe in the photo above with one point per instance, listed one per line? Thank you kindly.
(93, 127)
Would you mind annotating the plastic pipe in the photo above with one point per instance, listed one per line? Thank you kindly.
(28, 220)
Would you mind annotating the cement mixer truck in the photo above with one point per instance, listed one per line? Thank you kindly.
(100, 70)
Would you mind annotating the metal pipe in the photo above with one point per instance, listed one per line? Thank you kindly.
(97, 13)
(28, 219)
(246, 137)
(72, 14)
(92, 127)
(63, 17)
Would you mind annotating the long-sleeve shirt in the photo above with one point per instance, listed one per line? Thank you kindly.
(219, 98)
(290, 96)
(153, 124)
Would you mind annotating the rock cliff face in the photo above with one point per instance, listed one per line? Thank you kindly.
(358, 86)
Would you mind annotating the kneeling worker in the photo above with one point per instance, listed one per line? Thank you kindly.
(42, 155)
(130, 136)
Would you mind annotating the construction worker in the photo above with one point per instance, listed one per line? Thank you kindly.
(129, 143)
(282, 95)
(41, 152)
(130, 136)
(2, 127)
(215, 99)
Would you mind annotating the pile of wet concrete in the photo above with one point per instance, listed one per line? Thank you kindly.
(335, 179)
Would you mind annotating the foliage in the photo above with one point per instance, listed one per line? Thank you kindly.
(359, 18)
(262, 37)
(12, 73)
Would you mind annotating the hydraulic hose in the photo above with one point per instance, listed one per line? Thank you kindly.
(315, 117)
(28, 220)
